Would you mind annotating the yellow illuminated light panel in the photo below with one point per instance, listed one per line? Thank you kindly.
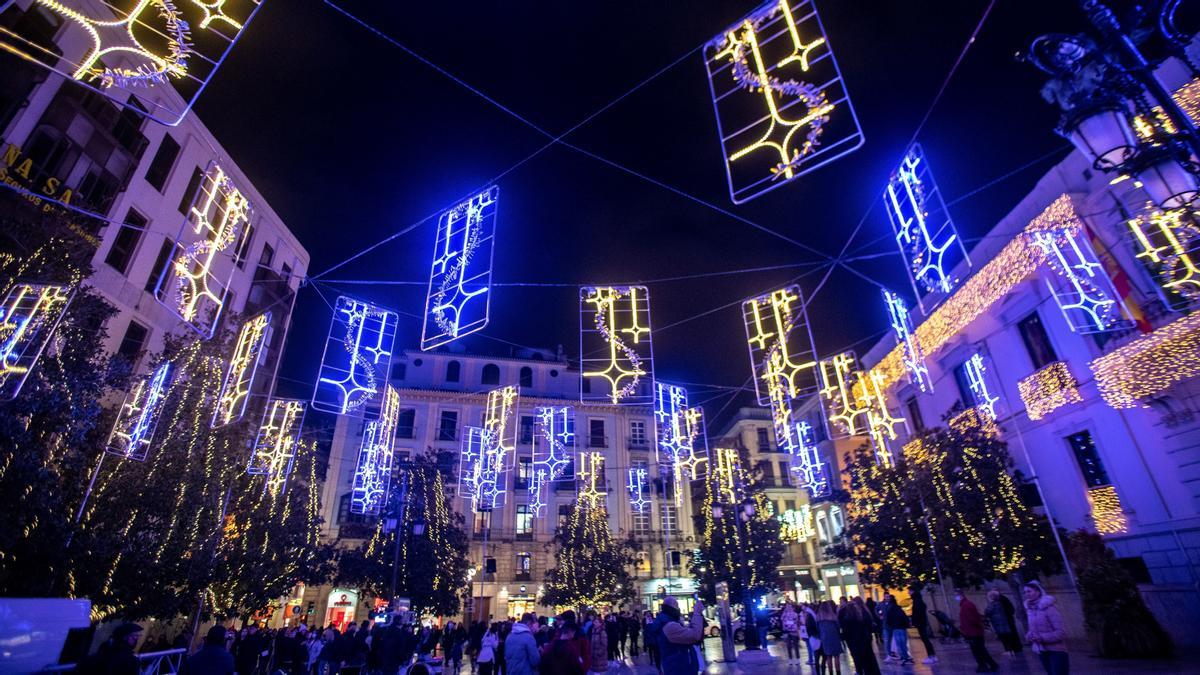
(881, 425)
(119, 39)
(242, 366)
(727, 476)
(214, 10)
(27, 318)
(499, 421)
(1151, 364)
(275, 447)
(845, 408)
(1019, 259)
(621, 318)
(592, 490)
(1048, 390)
(796, 525)
(1107, 513)
(1168, 240)
(770, 321)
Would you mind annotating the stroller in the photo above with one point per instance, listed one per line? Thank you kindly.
(947, 631)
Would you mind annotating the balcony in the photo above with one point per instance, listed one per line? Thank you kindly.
(597, 441)
(522, 576)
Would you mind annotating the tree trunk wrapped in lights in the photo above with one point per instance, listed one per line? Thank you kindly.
(590, 567)
(951, 497)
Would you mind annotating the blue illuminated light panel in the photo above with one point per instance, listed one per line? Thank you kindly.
(460, 278)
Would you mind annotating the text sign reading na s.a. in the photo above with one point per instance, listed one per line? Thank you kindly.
(781, 104)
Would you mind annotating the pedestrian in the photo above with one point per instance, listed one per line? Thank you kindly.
(650, 638)
(487, 650)
(920, 621)
(602, 644)
(565, 653)
(634, 628)
(677, 644)
(520, 647)
(614, 637)
(789, 621)
(856, 625)
(1001, 616)
(881, 612)
(897, 622)
(830, 654)
(970, 624)
(313, 645)
(252, 649)
(1046, 632)
(812, 634)
(212, 658)
(115, 656)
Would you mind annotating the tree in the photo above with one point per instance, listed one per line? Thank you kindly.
(1113, 610)
(590, 567)
(949, 500)
(433, 545)
(740, 540)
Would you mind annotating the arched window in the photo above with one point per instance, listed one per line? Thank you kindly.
(526, 377)
(491, 374)
(453, 370)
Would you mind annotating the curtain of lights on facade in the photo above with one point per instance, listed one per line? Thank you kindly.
(159, 53)
(924, 231)
(616, 353)
(28, 318)
(195, 285)
(784, 363)
(781, 104)
(553, 448)
(461, 275)
(357, 359)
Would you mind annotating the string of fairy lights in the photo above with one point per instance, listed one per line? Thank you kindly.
(783, 109)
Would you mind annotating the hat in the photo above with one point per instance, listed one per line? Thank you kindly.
(670, 601)
(125, 630)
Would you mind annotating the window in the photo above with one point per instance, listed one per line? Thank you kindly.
(637, 433)
(1088, 457)
(406, 423)
(134, 340)
(243, 249)
(764, 439)
(789, 504)
(642, 561)
(346, 515)
(524, 565)
(453, 371)
(160, 264)
(1037, 342)
(822, 528)
(670, 517)
(564, 512)
(835, 518)
(524, 472)
(267, 257)
(784, 471)
(674, 559)
(399, 370)
(964, 385)
(491, 374)
(524, 520)
(483, 522)
(596, 434)
(164, 160)
(914, 414)
(767, 472)
(526, 428)
(189, 193)
(448, 426)
(125, 243)
(526, 377)
(641, 522)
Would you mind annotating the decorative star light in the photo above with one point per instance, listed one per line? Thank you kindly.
(593, 488)
(924, 230)
(977, 381)
(638, 499)
(28, 318)
(500, 418)
(902, 325)
(135, 46)
(553, 447)
(844, 409)
(1169, 245)
(357, 359)
(243, 365)
(616, 352)
(194, 286)
(461, 276)
(376, 456)
(1084, 292)
(138, 417)
(781, 104)
(275, 446)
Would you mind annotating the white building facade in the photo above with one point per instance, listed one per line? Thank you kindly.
(444, 391)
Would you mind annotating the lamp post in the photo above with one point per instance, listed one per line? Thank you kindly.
(744, 514)
(1114, 108)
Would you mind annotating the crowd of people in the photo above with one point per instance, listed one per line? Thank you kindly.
(570, 644)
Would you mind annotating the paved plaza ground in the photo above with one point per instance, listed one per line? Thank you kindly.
(954, 658)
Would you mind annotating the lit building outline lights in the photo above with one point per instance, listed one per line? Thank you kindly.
(28, 318)
(358, 357)
(459, 295)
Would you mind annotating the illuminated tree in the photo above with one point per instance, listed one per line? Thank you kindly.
(590, 567)
(433, 545)
(951, 496)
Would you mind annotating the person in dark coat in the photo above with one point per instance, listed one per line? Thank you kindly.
(211, 659)
(970, 623)
(633, 627)
(920, 621)
(856, 624)
(250, 650)
(1002, 617)
(115, 656)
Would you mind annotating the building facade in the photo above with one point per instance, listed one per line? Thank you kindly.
(444, 391)
(1105, 422)
(130, 183)
(808, 525)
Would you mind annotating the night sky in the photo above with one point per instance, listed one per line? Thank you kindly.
(351, 139)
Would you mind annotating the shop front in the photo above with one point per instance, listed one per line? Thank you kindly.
(653, 591)
(341, 607)
(839, 582)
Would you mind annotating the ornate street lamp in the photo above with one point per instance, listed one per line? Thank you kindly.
(1105, 91)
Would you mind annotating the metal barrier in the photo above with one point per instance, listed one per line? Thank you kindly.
(165, 662)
